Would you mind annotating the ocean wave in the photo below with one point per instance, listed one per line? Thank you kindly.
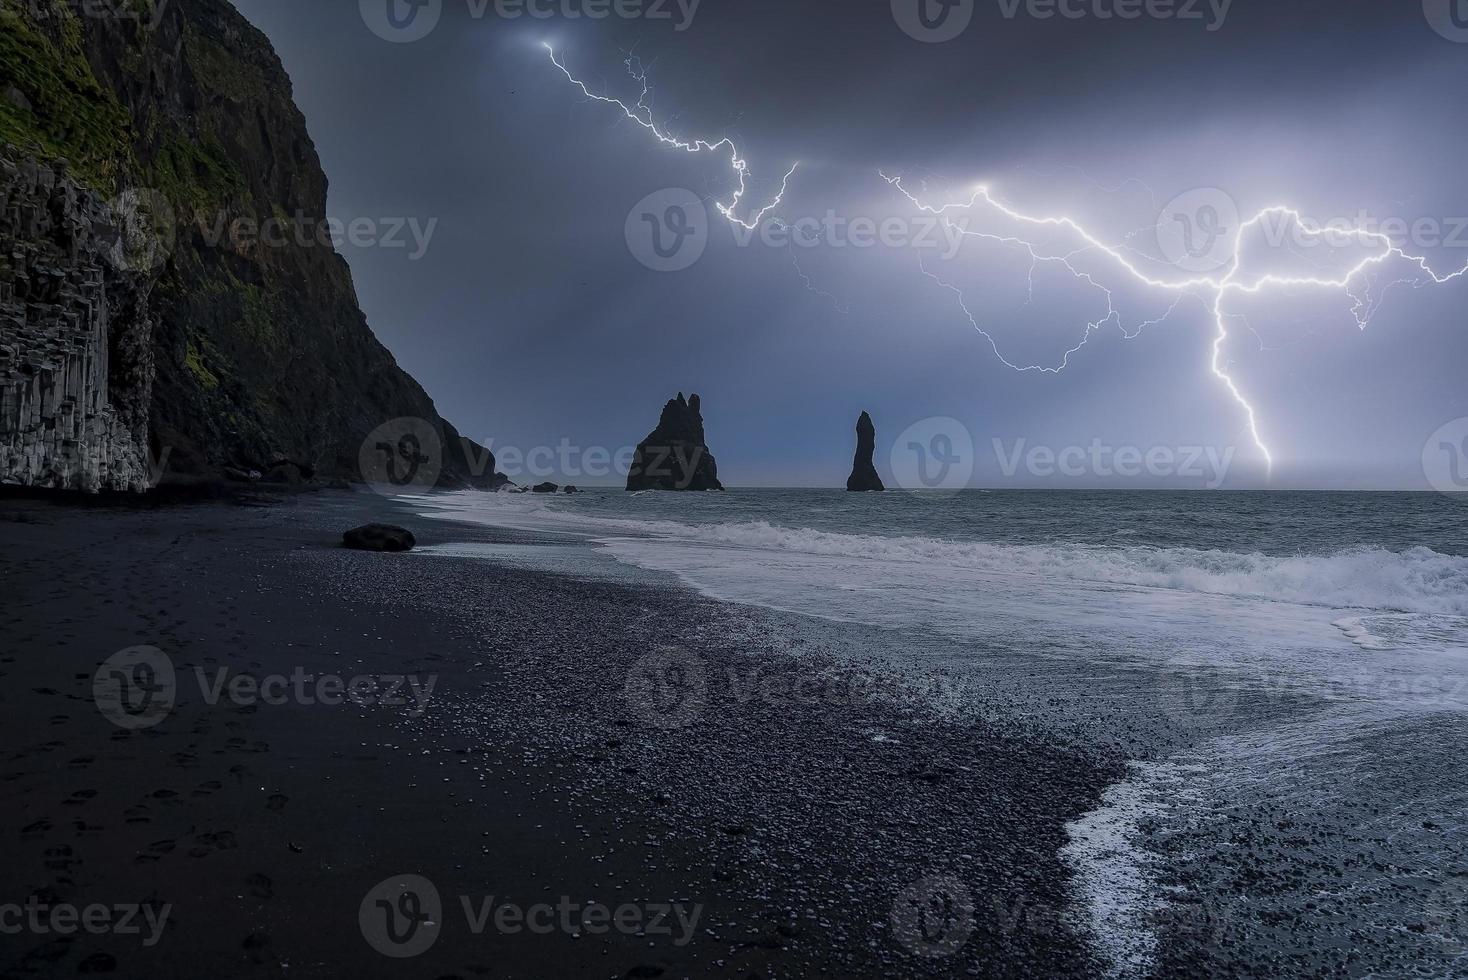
(1416, 580)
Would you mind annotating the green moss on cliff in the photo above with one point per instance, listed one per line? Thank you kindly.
(196, 176)
(194, 361)
(51, 102)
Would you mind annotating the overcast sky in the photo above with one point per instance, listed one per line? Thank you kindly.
(531, 320)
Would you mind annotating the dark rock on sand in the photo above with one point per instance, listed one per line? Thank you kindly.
(863, 473)
(379, 537)
(674, 456)
(546, 488)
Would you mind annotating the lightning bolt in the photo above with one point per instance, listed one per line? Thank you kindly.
(641, 114)
(1216, 288)
(1213, 290)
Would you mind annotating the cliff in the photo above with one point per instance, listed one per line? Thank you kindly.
(674, 456)
(863, 472)
(138, 331)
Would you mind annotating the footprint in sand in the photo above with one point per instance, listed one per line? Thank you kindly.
(60, 858)
(210, 843)
(156, 851)
(80, 798)
(277, 802)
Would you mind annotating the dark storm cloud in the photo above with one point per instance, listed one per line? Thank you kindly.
(531, 322)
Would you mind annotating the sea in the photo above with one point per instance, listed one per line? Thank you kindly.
(1288, 672)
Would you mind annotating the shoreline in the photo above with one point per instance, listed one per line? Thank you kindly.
(792, 817)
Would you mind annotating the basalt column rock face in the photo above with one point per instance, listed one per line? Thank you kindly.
(231, 343)
(863, 473)
(76, 364)
(674, 456)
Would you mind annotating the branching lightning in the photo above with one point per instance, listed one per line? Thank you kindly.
(1215, 288)
(641, 114)
(1211, 290)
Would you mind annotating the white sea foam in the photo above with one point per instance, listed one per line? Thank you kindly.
(1418, 580)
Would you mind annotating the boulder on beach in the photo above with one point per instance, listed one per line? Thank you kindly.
(863, 473)
(674, 456)
(379, 537)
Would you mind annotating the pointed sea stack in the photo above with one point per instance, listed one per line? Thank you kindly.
(674, 456)
(863, 474)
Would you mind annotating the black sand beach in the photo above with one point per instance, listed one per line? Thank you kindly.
(744, 797)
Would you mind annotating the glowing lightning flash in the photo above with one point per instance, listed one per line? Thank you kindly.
(641, 114)
(1220, 287)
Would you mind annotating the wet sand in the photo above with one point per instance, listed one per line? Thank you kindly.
(747, 790)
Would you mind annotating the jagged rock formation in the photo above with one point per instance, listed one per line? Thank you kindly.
(863, 473)
(674, 455)
(76, 357)
(222, 352)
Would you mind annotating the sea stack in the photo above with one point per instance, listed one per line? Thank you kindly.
(863, 474)
(674, 455)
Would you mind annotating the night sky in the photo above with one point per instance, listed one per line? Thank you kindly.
(531, 321)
